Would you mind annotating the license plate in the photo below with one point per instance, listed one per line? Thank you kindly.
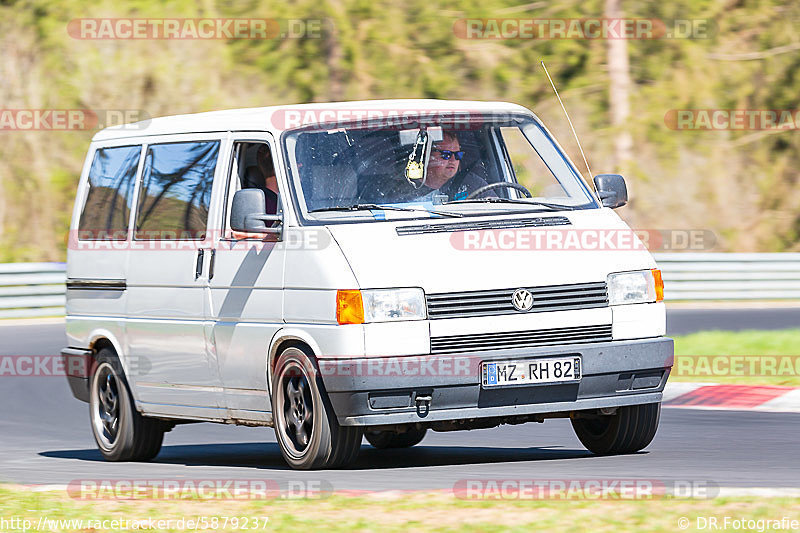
(531, 371)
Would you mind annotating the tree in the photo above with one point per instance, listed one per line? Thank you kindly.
(619, 89)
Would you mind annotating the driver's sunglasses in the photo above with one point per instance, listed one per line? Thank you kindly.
(447, 154)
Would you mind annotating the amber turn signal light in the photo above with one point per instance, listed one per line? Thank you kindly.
(349, 307)
(659, 284)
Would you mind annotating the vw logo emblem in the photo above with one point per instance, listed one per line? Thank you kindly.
(522, 300)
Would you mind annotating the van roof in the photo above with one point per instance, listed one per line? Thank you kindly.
(280, 118)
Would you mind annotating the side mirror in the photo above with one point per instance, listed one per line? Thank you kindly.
(612, 190)
(249, 213)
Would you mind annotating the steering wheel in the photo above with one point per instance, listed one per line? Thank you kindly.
(491, 186)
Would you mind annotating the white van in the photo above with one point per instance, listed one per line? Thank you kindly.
(357, 269)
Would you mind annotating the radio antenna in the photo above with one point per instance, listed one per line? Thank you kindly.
(568, 120)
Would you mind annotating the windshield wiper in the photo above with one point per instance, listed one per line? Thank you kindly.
(365, 207)
(497, 200)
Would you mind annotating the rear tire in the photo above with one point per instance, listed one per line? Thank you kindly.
(120, 431)
(308, 433)
(631, 429)
(389, 439)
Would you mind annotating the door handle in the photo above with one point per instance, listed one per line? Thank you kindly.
(211, 264)
(198, 267)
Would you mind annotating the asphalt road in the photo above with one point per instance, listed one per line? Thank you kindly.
(45, 439)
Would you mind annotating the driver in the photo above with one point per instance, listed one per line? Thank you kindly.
(270, 181)
(443, 165)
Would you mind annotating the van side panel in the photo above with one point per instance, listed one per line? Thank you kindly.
(96, 275)
(168, 273)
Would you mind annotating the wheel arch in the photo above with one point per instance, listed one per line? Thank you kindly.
(103, 338)
(280, 341)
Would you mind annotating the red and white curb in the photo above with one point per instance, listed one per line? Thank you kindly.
(732, 397)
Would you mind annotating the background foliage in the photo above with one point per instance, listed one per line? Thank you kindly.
(741, 185)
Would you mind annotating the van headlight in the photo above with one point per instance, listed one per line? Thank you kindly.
(380, 305)
(637, 287)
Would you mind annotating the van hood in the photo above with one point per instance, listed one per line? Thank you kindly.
(553, 249)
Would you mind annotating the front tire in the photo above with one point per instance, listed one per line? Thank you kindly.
(120, 431)
(389, 439)
(306, 428)
(631, 429)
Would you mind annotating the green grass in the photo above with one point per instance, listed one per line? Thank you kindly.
(419, 511)
(771, 357)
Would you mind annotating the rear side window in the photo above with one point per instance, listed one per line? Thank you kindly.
(176, 191)
(108, 202)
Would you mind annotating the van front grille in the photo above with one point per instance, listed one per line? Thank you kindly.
(520, 339)
(498, 302)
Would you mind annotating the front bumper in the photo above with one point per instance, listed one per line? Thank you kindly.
(77, 363)
(402, 390)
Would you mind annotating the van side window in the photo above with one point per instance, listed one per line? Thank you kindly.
(252, 167)
(176, 191)
(111, 181)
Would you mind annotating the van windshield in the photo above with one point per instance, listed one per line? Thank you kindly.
(480, 166)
